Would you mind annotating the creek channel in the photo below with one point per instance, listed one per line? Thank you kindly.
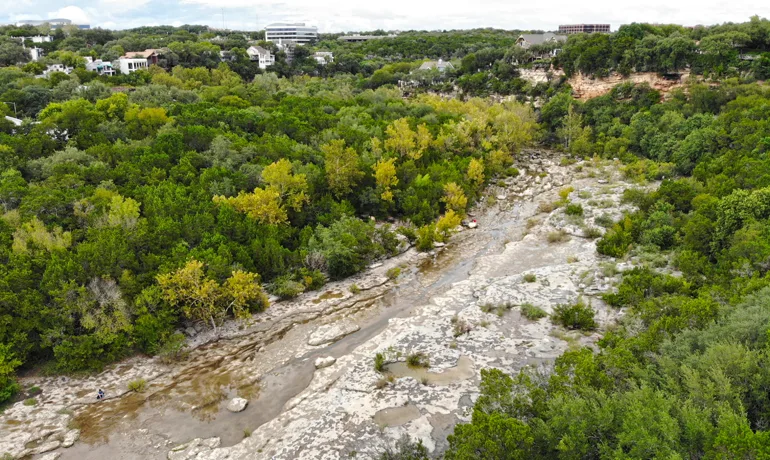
(193, 403)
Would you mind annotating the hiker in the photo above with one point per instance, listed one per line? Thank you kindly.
(100, 394)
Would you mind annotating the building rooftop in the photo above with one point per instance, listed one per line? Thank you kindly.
(539, 39)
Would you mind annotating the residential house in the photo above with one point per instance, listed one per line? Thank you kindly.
(100, 67)
(35, 53)
(57, 68)
(137, 60)
(439, 65)
(323, 57)
(527, 40)
(264, 57)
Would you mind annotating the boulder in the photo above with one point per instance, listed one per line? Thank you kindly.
(331, 333)
(70, 437)
(324, 361)
(237, 404)
(473, 224)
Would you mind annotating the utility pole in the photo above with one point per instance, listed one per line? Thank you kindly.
(15, 113)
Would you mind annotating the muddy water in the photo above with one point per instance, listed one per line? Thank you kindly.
(395, 416)
(463, 370)
(147, 425)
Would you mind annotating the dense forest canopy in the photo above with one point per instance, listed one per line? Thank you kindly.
(132, 204)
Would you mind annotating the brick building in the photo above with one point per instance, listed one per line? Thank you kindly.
(583, 28)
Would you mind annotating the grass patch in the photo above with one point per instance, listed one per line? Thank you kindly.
(30, 402)
(559, 236)
(354, 289)
(530, 278)
(460, 326)
(137, 385)
(531, 223)
(573, 209)
(379, 362)
(393, 273)
(385, 381)
(532, 312)
(546, 207)
(592, 233)
(584, 194)
(605, 220)
(418, 359)
(564, 193)
(246, 433)
(576, 316)
(572, 259)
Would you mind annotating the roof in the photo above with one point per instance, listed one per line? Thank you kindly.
(257, 50)
(15, 121)
(440, 65)
(279, 24)
(539, 39)
(139, 54)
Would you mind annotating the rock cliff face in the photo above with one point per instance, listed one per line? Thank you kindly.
(585, 88)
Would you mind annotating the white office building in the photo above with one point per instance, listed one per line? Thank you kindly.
(130, 65)
(296, 32)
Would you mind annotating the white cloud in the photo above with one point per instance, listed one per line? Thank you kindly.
(73, 13)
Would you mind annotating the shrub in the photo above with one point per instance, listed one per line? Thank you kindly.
(547, 207)
(393, 273)
(616, 241)
(498, 309)
(379, 362)
(577, 316)
(286, 288)
(460, 327)
(530, 278)
(426, 236)
(409, 232)
(559, 236)
(172, 349)
(573, 210)
(30, 402)
(354, 289)
(605, 220)
(137, 385)
(8, 363)
(592, 232)
(532, 312)
(564, 193)
(418, 359)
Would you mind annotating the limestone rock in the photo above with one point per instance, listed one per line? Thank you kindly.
(193, 448)
(51, 456)
(237, 404)
(70, 437)
(331, 333)
(473, 224)
(324, 361)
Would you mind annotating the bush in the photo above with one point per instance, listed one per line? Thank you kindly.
(409, 232)
(544, 206)
(559, 236)
(578, 316)
(573, 210)
(426, 236)
(530, 278)
(406, 450)
(286, 288)
(30, 402)
(460, 326)
(379, 362)
(532, 312)
(418, 359)
(172, 349)
(393, 273)
(592, 232)
(137, 385)
(605, 220)
(348, 245)
(564, 193)
(616, 241)
(8, 364)
(354, 289)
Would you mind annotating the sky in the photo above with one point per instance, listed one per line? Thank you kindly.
(362, 15)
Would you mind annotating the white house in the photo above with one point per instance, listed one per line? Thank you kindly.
(40, 39)
(439, 65)
(130, 65)
(323, 57)
(261, 55)
(57, 68)
(100, 67)
(35, 53)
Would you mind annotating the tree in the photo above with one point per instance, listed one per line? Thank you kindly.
(447, 224)
(12, 52)
(290, 188)
(455, 198)
(494, 436)
(401, 139)
(261, 205)
(8, 364)
(476, 172)
(385, 177)
(203, 299)
(341, 166)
